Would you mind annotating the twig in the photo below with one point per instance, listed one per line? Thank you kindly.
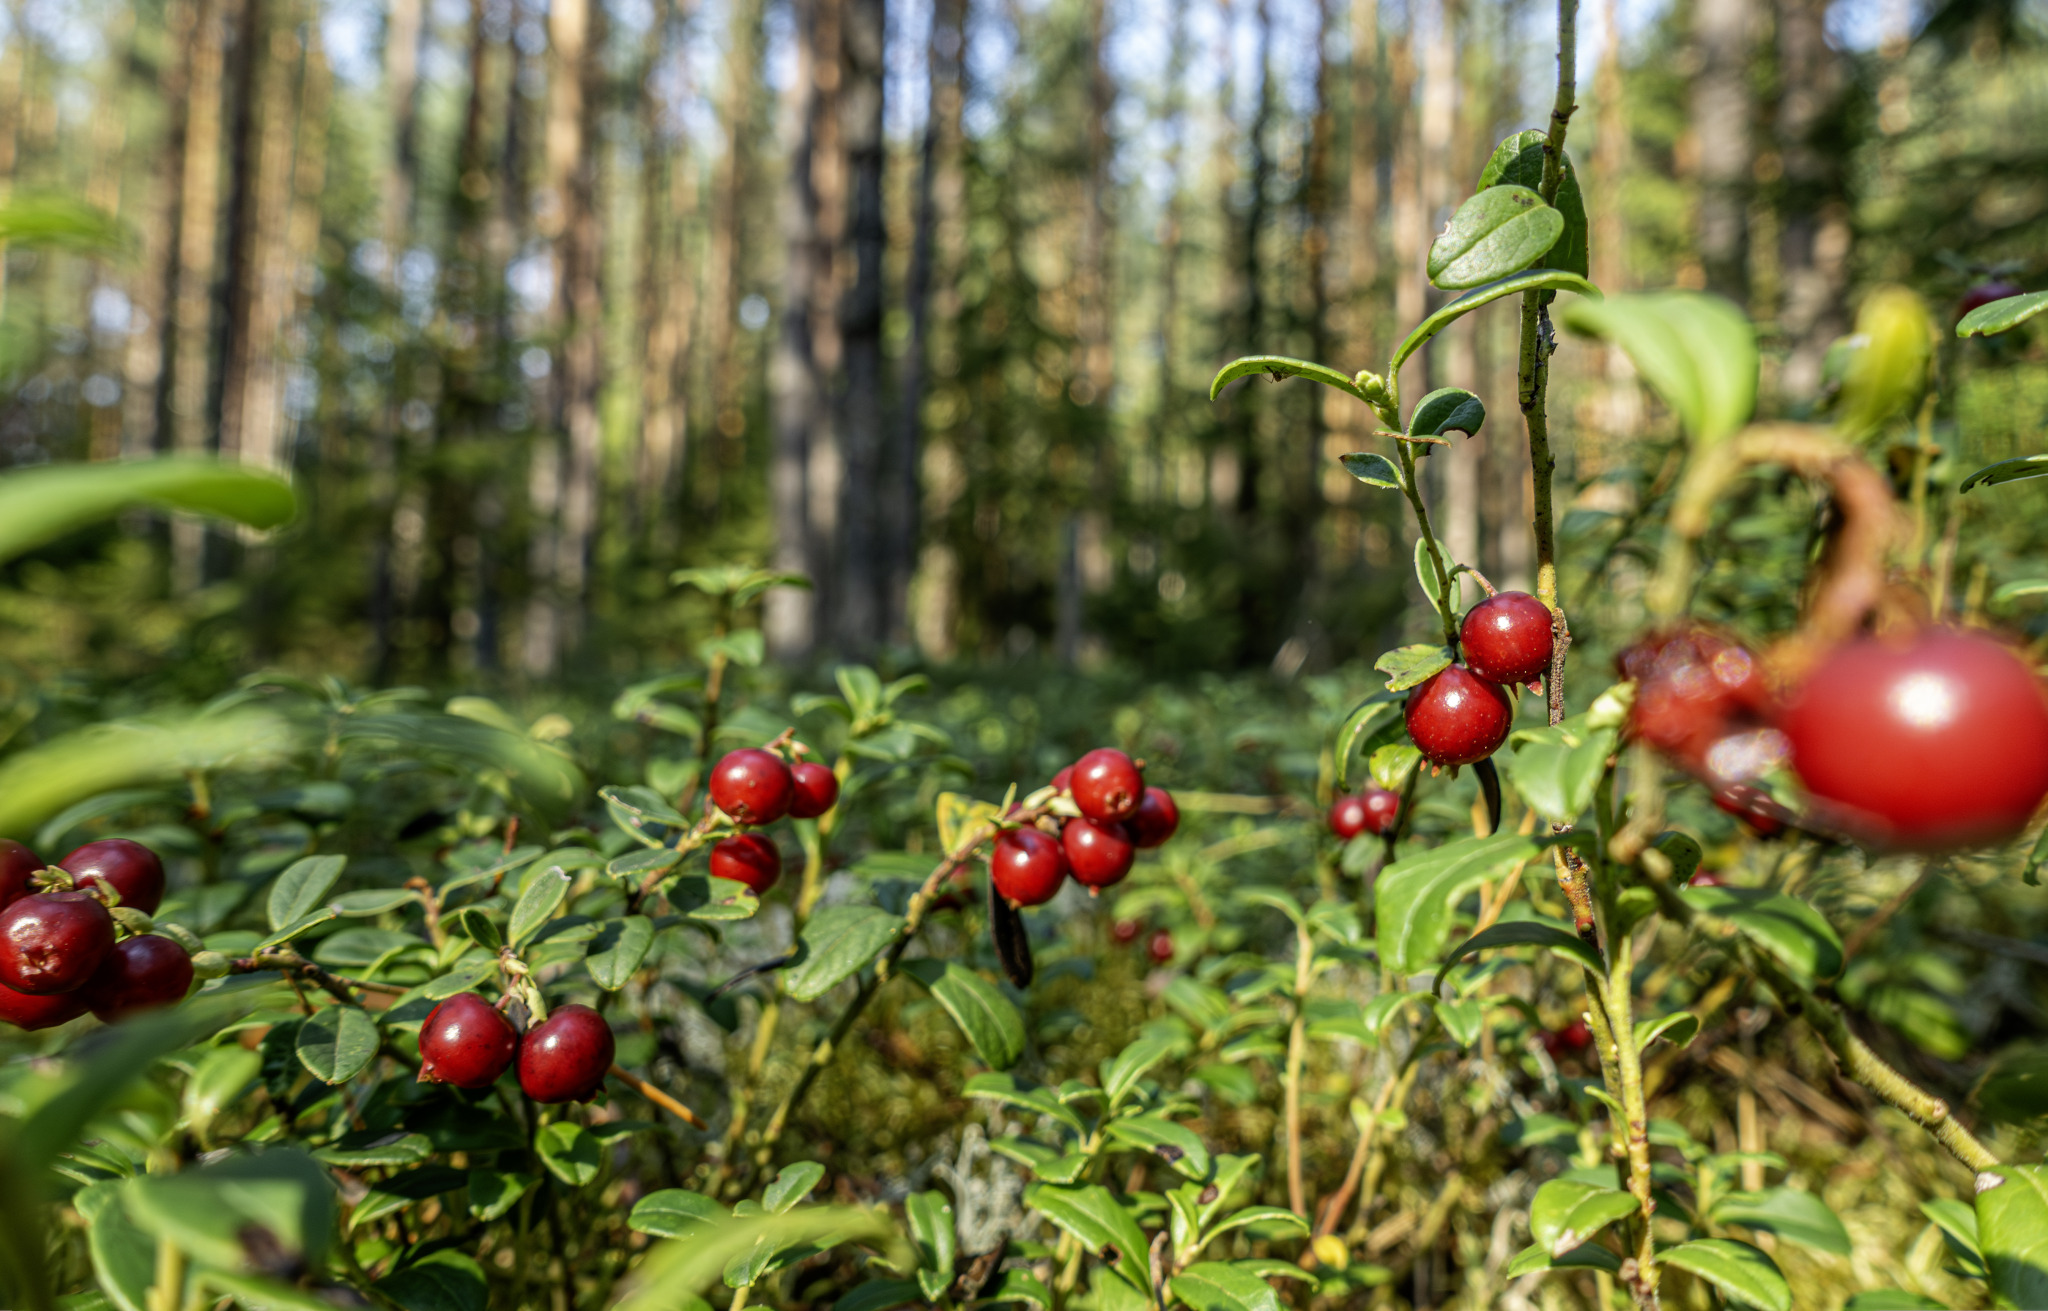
(291, 963)
(658, 1097)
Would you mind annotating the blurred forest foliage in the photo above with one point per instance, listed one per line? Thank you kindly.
(540, 300)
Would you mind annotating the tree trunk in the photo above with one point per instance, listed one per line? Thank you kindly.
(1721, 135)
(668, 299)
(859, 609)
(1813, 209)
(198, 239)
(1362, 264)
(723, 264)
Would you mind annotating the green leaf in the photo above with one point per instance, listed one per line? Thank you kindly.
(1886, 370)
(299, 889)
(1010, 1091)
(1958, 1225)
(1786, 927)
(1462, 1020)
(494, 1192)
(2012, 1230)
(2007, 471)
(1447, 409)
(618, 950)
(931, 1228)
(1695, 351)
(55, 221)
(1499, 231)
(2002, 315)
(1794, 1216)
(1557, 770)
(1120, 1073)
(880, 1295)
(1406, 666)
(335, 1044)
(371, 901)
(2013, 591)
(123, 1255)
(1373, 469)
(1678, 1028)
(544, 891)
(792, 1185)
(443, 1281)
(681, 1268)
(1391, 765)
(569, 1151)
(1375, 722)
(1177, 1145)
(674, 1213)
(1566, 1212)
(41, 504)
(1533, 280)
(1741, 1272)
(1283, 367)
(1522, 933)
(217, 1083)
(837, 943)
(283, 1194)
(1261, 894)
(988, 1019)
(1098, 1221)
(1587, 1256)
(1414, 896)
(409, 1149)
(1014, 1286)
(1518, 161)
(1217, 1286)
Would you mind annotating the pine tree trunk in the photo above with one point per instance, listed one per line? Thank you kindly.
(252, 403)
(192, 302)
(1721, 134)
(1813, 218)
(724, 266)
(859, 610)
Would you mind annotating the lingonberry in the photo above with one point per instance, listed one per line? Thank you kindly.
(466, 1041)
(1935, 742)
(747, 858)
(17, 866)
(1156, 818)
(1347, 817)
(1382, 808)
(815, 789)
(1507, 638)
(1456, 717)
(1126, 932)
(1107, 785)
(564, 1058)
(1706, 878)
(753, 786)
(27, 1011)
(141, 973)
(1160, 948)
(1570, 1040)
(1098, 854)
(1754, 807)
(1987, 293)
(53, 941)
(1027, 866)
(1700, 699)
(129, 868)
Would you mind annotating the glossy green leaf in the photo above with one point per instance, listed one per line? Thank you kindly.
(1496, 232)
(1010, 1091)
(406, 1149)
(1120, 1073)
(301, 887)
(1098, 1221)
(1697, 352)
(618, 949)
(1280, 366)
(1406, 666)
(1958, 1226)
(1518, 160)
(1557, 770)
(2007, 471)
(371, 901)
(492, 1193)
(570, 1152)
(1447, 410)
(1177, 1145)
(210, 1211)
(1794, 1216)
(1014, 1285)
(1586, 1256)
(2002, 315)
(1444, 317)
(1521, 933)
(123, 1254)
(336, 1043)
(1678, 1028)
(39, 505)
(674, 1213)
(681, 1268)
(1414, 896)
(791, 1185)
(1566, 1212)
(879, 1295)
(1391, 765)
(1373, 469)
(1372, 724)
(1739, 1271)
(443, 1281)
(931, 1228)
(1217, 1286)
(1786, 927)
(2012, 1232)
(544, 891)
(983, 1013)
(838, 942)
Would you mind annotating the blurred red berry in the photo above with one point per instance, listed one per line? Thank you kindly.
(748, 858)
(1156, 819)
(815, 789)
(1160, 948)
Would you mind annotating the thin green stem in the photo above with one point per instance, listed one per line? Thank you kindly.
(1444, 609)
(1297, 1051)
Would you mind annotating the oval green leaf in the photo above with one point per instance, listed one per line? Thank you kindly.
(2012, 1232)
(1277, 367)
(1533, 280)
(835, 945)
(618, 950)
(1696, 351)
(1741, 1272)
(299, 889)
(39, 505)
(1500, 231)
(988, 1019)
(2002, 315)
(336, 1043)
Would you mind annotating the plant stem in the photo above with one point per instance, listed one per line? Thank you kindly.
(1444, 609)
(167, 1292)
(657, 1096)
(1629, 1070)
(1297, 1049)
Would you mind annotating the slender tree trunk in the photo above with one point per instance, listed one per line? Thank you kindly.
(155, 288)
(1166, 409)
(1254, 613)
(401, 79)
(1721, 135)
(1813, 217)
(192, 302)
(1610, 161)
(1305, 514)
(258, 103)
(725, 268)
(581, 261)
(252, 409)
(863, 567)
(1363, 187)
(668, 297)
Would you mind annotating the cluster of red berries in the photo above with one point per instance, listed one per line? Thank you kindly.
(1159, 946)
(62, 953)
(468, 1042)
(757, 787)
(1461, 714)
(1119, 816)
(1372, 811)
(1927, 742)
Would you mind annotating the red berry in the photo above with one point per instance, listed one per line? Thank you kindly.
(17, 866)
(1572, 1038)
(564, 1059)
(1126, 932)
(53, 941)
(129, 868)
(1156, 818)
(1160, 948)
(753, 786)
(1347, 817)
(1987, 293)
(1107, 785)
(1456, 717)
(1027, 866)
(1932, 743)
(1098, 854)
(1754, 807)
(815, 789)
(141, 973)
(1707, 878)
(1700, 699)
(1064, 779)
(1507, 638)
(747, 858)
(466, 1041)
(25, 1011)
(1382, 808)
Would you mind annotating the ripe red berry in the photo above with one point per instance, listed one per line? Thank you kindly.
(53, 941)
(753, 786)
(1126, 932)
(747, 858)
(1347, 817)
(1936, 742)
(1027, 866)
(1064, 779)
(1155, 819)
(564, 1058)
(129, 868)
(1098, 854)
(1507, 638)
(1160, 948)
(1571, 1039)
(1107, 785)
(26, 1011)
(1754, 807)
(17, 866)
(1456, 717)
(1987, 293)
(1382, 808)
(466, 1041)
(1707, 878)
(141, 973)
(1701, 699)
(815, 789)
